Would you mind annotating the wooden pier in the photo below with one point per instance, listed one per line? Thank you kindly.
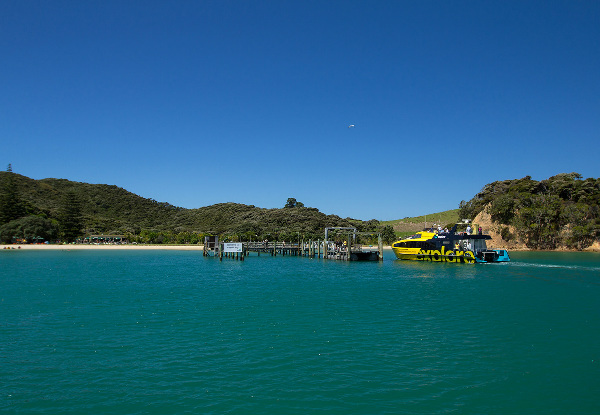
(343, 250)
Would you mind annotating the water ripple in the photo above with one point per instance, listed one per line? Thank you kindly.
(177, 333)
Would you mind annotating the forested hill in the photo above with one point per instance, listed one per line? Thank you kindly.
(560, 212)
(104, 208)
(108, 209)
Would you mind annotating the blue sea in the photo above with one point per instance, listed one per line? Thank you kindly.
(173, 332)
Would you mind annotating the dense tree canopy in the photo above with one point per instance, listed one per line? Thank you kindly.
(84, 209)
(30, 229)
(11, 206)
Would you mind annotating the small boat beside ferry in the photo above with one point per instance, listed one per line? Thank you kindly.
(451, 246)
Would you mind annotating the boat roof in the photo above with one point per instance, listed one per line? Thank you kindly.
(427, 235)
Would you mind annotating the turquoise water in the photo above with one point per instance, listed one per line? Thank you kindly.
(166, 332)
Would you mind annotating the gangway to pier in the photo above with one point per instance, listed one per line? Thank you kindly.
(348, 249)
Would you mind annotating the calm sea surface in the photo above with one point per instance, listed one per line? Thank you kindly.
(166, 332)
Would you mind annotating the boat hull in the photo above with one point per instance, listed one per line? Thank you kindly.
(434, 255)
(460, 248)
(457, 257)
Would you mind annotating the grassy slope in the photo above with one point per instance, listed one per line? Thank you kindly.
(449, 216)
(407, 226)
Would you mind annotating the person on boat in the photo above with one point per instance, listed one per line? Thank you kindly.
(468, 229)
(480, 231)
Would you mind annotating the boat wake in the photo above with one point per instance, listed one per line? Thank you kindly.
(553, 266)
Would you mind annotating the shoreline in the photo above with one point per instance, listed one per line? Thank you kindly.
(72, 247)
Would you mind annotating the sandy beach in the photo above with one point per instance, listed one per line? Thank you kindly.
(66, 247)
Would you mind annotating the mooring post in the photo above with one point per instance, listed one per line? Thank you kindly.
(348, 248)
(380, 246)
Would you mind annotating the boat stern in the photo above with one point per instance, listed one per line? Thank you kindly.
(493, 255)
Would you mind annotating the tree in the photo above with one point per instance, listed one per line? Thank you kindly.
(466, 210)
(502, 209)
(30, 228)
(388, 235)
(11, 206)
(539, 222)
(291, 203)
(70, 217)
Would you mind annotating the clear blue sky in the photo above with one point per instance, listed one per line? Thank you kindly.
(445, 96)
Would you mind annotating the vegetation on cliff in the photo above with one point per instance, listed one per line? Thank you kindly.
(562, 211)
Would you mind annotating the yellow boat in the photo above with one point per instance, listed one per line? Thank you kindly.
(452, 246)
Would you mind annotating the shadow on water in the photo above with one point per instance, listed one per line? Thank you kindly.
(425, 269)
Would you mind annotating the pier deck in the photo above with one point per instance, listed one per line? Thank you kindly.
(343, 247)
(311, 249)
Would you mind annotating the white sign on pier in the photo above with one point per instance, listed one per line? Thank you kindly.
(232, 247)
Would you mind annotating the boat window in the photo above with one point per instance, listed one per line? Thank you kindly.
(471, 245)
(421, 244)
(464, 244)
(479, 245)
